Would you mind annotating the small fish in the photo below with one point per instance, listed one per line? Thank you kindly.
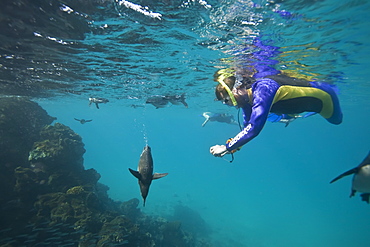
(82, 121)
(361, 179)
(97, 101)
(145, 172)
(218, 117)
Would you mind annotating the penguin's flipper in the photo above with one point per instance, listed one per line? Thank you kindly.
(349, 172)
(77, 119)
(159, 175)
(183, 101)
(365, 161)
(135, 173)
(365, 197)
(353, 193)
(97, 106)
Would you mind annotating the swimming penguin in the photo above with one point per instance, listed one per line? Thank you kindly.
(144, 174)
(158, 101)
(82, 121)
(97, 101)
(177, 99)
(161, 101)
(361, 179)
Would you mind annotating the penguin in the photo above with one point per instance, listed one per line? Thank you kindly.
(144, 172)
(361, 179)
(97, 101)
(161, 101)
(82, 121)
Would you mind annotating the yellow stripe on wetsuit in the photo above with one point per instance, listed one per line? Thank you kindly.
(286, 92)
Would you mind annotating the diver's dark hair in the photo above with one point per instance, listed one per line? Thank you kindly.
(247, 82)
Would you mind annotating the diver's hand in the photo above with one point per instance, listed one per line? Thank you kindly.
(218, 150)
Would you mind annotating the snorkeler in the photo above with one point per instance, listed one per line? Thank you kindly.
(275, 93)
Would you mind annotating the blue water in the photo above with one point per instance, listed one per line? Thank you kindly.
(276, 193)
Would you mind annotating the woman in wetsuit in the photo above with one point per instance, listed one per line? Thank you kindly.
(277, 93)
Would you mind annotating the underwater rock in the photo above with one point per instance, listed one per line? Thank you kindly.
(117, 231)
(78, 207)
(59, 153)
(77, 190)
(130, 208)
(165, 233)
(20, 123)
(59, 146)
(174, 235)
(191, 220)
(28, 182)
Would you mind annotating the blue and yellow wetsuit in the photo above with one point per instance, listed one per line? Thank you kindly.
(281, 94)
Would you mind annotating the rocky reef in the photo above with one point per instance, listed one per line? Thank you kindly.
(48, 198)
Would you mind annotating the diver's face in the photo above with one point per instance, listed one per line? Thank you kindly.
(226, 100)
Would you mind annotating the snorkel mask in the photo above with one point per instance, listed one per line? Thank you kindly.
(225, 73)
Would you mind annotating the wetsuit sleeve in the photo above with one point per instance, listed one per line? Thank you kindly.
(247, 111)
(264, 91)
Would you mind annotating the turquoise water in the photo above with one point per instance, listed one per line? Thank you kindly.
(276, 193)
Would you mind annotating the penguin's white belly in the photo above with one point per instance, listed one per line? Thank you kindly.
(361, 180)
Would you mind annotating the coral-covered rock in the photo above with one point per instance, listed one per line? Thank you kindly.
(130, 208)
(117, 231)
(28, 182)
(77, 190)
(59, 148)
(20, 123)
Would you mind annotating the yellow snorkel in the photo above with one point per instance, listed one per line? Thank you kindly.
(225, 73)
